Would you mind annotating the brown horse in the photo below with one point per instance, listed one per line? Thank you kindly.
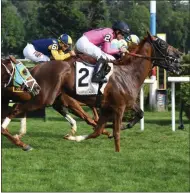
(59, 105)
(27, 84)
(119, 94)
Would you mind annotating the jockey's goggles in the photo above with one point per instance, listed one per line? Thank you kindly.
(125, 35)
(69, 46)
(128, 38)
(64, 43)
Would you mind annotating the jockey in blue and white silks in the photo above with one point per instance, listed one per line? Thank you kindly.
(43, 50)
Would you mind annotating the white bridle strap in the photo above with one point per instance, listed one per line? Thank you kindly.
(11, 74)
(31, 80)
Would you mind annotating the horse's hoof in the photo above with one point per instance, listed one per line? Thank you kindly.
(110, 136)
(27, 148)
(129, 126)
(123, 127)
(66, 136)
(181, 127)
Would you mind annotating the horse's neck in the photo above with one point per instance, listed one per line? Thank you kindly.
(139, 68)
(145, 65)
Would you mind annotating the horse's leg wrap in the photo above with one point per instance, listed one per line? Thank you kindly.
(22, 131)
(64, 112)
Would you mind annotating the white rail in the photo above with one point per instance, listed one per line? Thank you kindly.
(147, 81)
(173, 80)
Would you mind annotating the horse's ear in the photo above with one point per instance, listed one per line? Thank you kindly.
(13, 59)
(149, 35)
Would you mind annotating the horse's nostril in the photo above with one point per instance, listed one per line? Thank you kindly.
(38, 89)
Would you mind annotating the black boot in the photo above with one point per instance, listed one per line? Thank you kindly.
(98, 74)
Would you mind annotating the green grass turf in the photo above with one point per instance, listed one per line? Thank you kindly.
(155, 160)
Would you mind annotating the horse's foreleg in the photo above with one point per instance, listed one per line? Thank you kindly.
(118, 115)
(72, 123)
(13, 139)
(58, 106)
(181, 125)
(138, 116)
(19, 109)
(22, 131)
(97, 131)
(78, 111)
(96, 116)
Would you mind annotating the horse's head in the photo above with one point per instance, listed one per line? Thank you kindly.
(14, 73)
(166, 56)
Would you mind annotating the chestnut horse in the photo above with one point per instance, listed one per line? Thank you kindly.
(120, 92)
(62, 103)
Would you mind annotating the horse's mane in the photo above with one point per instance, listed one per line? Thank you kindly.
(5, 60)
(133, 48)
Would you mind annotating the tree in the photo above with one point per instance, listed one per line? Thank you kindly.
(62, 17)
(12, 29)
(97, 14)
(176, 26)
(23, 21)
(28, 11)
(139, 20)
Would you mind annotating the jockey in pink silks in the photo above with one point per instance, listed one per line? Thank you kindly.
(97, 43)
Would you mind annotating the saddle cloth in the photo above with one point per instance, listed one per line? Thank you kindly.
(84, 86)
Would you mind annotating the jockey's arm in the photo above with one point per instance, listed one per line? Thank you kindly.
(107, 48)
(58, 54)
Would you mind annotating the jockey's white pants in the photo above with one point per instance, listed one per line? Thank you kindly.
(85, 46)
(31, 54)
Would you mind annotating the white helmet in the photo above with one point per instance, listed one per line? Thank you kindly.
(117, 44)
(133, 38)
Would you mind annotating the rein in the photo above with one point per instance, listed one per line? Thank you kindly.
(145, 57)
(149, 57)
(155, 47)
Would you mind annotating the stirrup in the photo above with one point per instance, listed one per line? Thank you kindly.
(99, 79)
(96, 78)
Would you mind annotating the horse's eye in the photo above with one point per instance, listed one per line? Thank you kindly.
(162, 44)
(24, 72)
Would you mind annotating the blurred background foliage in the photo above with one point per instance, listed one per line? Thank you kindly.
(23, 21)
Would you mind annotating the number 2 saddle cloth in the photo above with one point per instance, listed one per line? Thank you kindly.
(84, 72)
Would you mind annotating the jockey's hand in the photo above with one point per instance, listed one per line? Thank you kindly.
(72, 52)
(124, 49)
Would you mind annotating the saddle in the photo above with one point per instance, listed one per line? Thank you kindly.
(86, 58)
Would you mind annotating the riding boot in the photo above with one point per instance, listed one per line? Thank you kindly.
(98, 71)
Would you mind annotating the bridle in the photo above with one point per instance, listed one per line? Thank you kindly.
(165, 57)
(10, 74)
